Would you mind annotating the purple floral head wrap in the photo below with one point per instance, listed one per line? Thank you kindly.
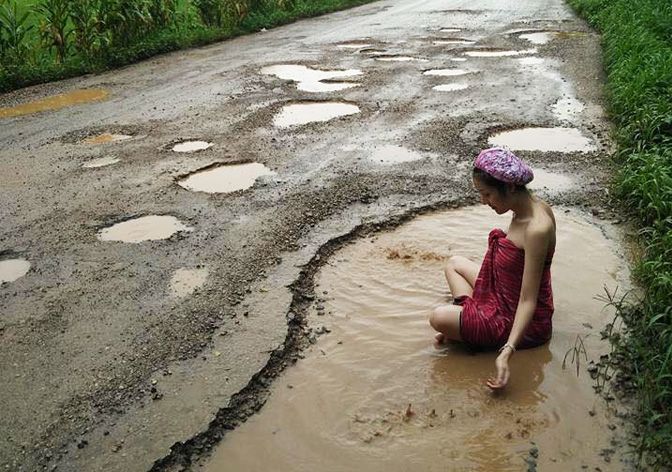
(504, 165)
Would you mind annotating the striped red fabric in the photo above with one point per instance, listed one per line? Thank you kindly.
(487, 316)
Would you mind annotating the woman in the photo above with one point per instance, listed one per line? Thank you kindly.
(507, 303)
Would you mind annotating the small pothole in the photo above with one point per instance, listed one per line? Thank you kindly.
(13, 269)
(450, 87)
(446, 72)
(107, 138)
(101, 162)
(225, 178)
(144, 228)
(55, 102)
(313, 80)
(192, 146)
(186, 281)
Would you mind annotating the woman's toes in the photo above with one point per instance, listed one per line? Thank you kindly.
(438, 340)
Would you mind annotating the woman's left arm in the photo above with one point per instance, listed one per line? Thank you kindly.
(536, 249)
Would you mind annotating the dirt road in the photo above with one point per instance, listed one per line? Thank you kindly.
(112, 352)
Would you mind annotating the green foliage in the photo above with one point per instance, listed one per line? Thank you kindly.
(14, 31)
(88, 28)
(637, 39)
(54, 26)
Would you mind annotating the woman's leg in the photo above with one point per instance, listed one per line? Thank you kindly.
(446, 320)
(461, 276)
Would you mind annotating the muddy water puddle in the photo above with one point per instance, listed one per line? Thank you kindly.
(192, 146)
(541, 37)
(13, 269)
(225, 178)
(311, 80)
(107, 138)
(392, 154)
(144, 228)
(101, 162)
(372, 394)
(55, 102)
(298, 114)
(186, 281)
(544, 139)
(450, 87)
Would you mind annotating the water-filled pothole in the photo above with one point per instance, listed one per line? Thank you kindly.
(55, 102)
(311, 80)
(225, 178)
(544, 139)
(392, 154)
(101, 162)
(500, 53)
(372, 394)
(371, 51)
(450, 30)
(395, 58)
(446, 42)
(13, 269)
(541, 37)
(185, 281)
(297, 114)
(353, 45)
(446, 72)
(450, 87)
(107, 138)
(192, 146)
(144, 228)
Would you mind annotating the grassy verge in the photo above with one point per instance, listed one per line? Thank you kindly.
(40, 44)
(637, 43)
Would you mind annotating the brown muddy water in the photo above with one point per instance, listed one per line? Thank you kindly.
(144, 228)
(544, 139)
(225, 178)
(55, 102)
(310, 80)
(298, 114)
(372, 394)
(192, 146)
(13, 269)
(107, 138)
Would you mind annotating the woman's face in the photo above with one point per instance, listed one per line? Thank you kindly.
(491, 197)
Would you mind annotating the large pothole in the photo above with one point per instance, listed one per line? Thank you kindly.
(297, 114)
(144, 228)
(544, 139)
(311, 80)
(55, 102)
(225, 178)
(372, 393)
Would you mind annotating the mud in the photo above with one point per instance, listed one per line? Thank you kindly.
(103, 368)
(106, 138)
(185, 281)
(373, 394)
(538, 38)
(55, 102)
(391, 154)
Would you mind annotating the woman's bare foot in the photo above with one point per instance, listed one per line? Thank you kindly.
(439, 341)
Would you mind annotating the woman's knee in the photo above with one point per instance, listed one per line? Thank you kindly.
(452, 263)
(441, 316)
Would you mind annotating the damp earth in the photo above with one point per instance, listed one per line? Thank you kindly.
(373, 394)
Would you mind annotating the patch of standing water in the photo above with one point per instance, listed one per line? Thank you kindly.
(446, 72)
(353, 45)
(225, 178)
(13, 269)
(298, 114)
(395, 58)
(184, 281)
(144, 228)
(310, 80)
(544, 139)
(567, 109)
(550, 182)
(450, 87)
(499, 53)
(458, 59)
(443, 42)
(55, 102)
(391, 154)
(101, 162)
(450, 30)
(538, 38)
(107, 138)
(192, 146)
(373, 395)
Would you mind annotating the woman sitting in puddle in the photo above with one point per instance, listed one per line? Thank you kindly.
(507, 302)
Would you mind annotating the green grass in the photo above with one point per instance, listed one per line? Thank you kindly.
(637, 43)
(33, 61)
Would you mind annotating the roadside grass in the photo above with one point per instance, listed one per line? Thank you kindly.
(637, 43)
(46, 40)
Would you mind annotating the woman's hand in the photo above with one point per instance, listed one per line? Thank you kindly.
(502, 365)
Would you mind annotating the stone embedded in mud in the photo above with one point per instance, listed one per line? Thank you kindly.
(13, 269)
(55, 102)
(101, 162)
(225, 178)
(107, 138)
(544, 139)
(311, 80)
(446, 72)
(192, 146)
(392, 154)
(185, 281)
(450, 87)
(144, 228)
(297, 114)
(491, 53)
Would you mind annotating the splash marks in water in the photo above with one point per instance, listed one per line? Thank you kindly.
(13, 269)
(55, 102)
(544, 139)
(225, 178)
(297, 114)
(311, 80)
(192, 146)
(144, 228)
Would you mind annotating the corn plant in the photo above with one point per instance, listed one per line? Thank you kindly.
(88, 27)
(212, 12)
(163, 13)
(54, 26)
(13, 31)
(125, 20)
